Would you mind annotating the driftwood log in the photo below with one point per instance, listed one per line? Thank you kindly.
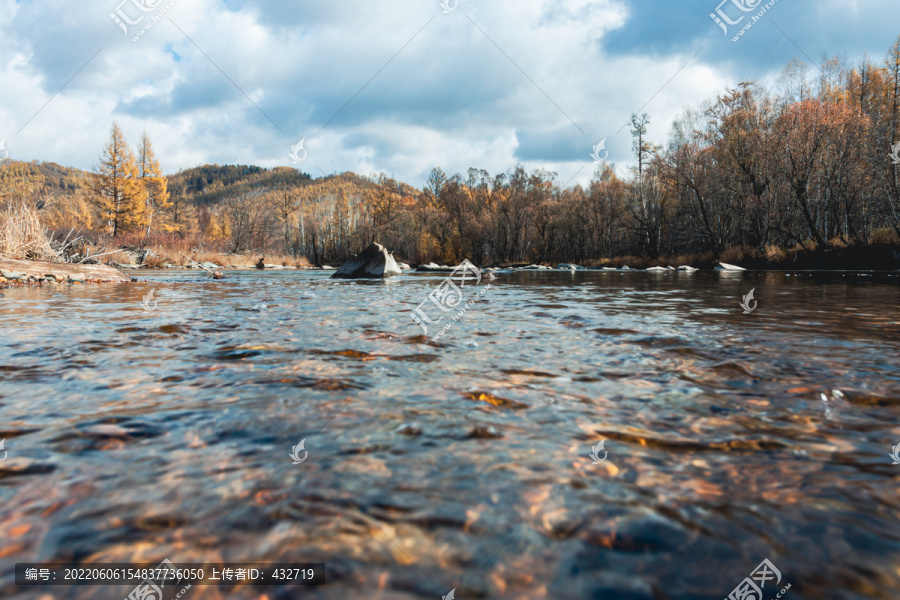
(63, 271)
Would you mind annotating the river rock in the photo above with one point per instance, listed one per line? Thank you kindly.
(404, 267)
(409, 429)
(484, 432)
(657, 269)
(686, 268)
(726, 267)
(433, 268)
(372, 263)
(569, 267)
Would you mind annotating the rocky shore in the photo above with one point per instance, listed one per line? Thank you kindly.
(32, 272)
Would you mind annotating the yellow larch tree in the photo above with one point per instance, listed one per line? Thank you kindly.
(153, 182)
(118, 191)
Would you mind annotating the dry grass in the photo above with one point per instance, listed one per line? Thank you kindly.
(733, 256)
(22, 236)
(775, 254)
(168, 249)
(885, 236)
(163, 255)
(154, 261)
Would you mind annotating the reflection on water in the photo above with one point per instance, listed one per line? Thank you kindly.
(134, 436)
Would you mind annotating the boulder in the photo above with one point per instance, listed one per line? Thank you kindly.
(726, 267)
(372, 263)
(686, 268)
(404, 267)
(569, 267)
(657, 269)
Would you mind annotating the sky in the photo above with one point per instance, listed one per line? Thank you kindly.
(396, 87)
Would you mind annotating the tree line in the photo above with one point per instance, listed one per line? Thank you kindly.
(803, 163)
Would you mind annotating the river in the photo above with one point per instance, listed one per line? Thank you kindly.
(137, 432)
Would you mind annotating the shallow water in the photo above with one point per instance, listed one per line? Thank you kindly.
(134, 436)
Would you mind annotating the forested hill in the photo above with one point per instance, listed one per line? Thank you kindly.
(210, 184)
(202, 185)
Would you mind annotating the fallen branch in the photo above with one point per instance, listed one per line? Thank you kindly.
(215, 274)
(96, 255)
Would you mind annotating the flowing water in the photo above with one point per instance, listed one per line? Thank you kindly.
(464, 463)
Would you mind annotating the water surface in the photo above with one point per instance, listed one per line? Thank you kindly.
(134, 436)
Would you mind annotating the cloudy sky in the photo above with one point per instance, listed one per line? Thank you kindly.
(395, 87)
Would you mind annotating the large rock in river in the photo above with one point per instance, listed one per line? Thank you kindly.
(372, 263)
(726, 267)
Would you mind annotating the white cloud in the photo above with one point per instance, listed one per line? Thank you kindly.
(451, 97)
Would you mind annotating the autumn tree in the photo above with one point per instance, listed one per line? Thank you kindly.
(647, 192)
(118, 190)
(152, 180)
(287, 202)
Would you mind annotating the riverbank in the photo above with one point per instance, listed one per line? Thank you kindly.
(15, 272)
(874, 257)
